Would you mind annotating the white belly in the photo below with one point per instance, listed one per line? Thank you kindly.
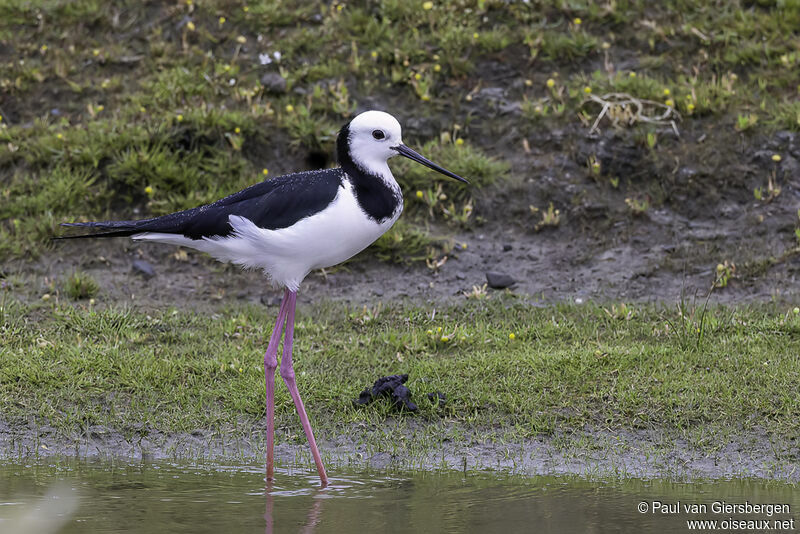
(287, 255)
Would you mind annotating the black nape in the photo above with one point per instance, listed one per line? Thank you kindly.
(317, 160)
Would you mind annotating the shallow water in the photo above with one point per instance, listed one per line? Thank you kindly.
(68, 495)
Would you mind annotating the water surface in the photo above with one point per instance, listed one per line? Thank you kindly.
(69, 495)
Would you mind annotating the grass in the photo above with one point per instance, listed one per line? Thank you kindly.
(120, 107)
(684, 371)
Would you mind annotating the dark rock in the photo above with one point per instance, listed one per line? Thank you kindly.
(144, 268)
(274, 83)
(378, 292)
(497, 280)
(392, 387)
(433, 396)
(270, 300)
(507, 247)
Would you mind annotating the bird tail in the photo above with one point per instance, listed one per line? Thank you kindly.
(105, 229)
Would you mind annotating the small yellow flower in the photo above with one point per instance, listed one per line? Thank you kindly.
(148, 191)
(101, 107)
(339, 7)
(429, 332)
(289, 108)
(459, 141)
(96, 52)
(427, 6)
(468, 98)
(550, 83)
(669, 102)
(796, 311)
(1, 118)
(43, 49)
(419, 194)
(463, 246)
(689, 107)
(475, 35)
(179, 117)
(265, 171)
(438, 328)
(374, 54)
(436, 57)
(425, 98)
(59, 136)
(667, 92)
(241, 39)
(606, 45)
(237, 130)
(587, 90)
(418, 76)
(776, 158)
(528, 83)
(222, 20)
(246, 8)
(46, 296)
(190, 26)
(188, 2)
(632, 74)
(240, 369)
(511, 336)
(142, 109)
(445, 339)
(577, 21)
(437, 68)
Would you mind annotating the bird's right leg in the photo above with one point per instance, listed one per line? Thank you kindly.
(270, 364)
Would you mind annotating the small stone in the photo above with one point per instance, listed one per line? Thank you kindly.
(461, 276)
(270, 300)
(497, 280)
(378, 292)
(507, 247)
(274, 83)
(144, 268)
(434, 396)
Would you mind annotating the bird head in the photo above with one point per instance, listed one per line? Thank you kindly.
(373, 137)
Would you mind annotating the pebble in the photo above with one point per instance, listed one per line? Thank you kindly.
(498, 280)
(144, 268)
(274, 83)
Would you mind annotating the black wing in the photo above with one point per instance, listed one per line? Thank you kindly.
(271, 204)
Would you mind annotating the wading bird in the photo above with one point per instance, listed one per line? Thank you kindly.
(290, 225)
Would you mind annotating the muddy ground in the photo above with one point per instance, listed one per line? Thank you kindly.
(587, 452)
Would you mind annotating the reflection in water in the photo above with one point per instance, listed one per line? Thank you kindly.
(313, 514)
(160, 497)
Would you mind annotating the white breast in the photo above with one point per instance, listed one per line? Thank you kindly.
(287, 255)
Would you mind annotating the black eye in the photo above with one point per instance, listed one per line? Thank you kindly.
(378, 134)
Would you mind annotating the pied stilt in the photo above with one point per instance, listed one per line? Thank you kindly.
(290, 225)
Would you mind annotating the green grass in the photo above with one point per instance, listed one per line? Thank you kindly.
(615, 367)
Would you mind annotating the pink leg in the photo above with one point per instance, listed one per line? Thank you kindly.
(287, 372)
(270, 364)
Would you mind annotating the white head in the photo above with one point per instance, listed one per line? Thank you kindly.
(373, 137)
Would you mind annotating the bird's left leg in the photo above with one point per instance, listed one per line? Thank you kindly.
(287, 372)
(270, 364)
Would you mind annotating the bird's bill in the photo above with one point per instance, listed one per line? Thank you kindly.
(403, 150)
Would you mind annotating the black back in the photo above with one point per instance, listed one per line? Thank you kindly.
(271, 204)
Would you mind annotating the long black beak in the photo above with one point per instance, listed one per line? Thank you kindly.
(403, 150)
